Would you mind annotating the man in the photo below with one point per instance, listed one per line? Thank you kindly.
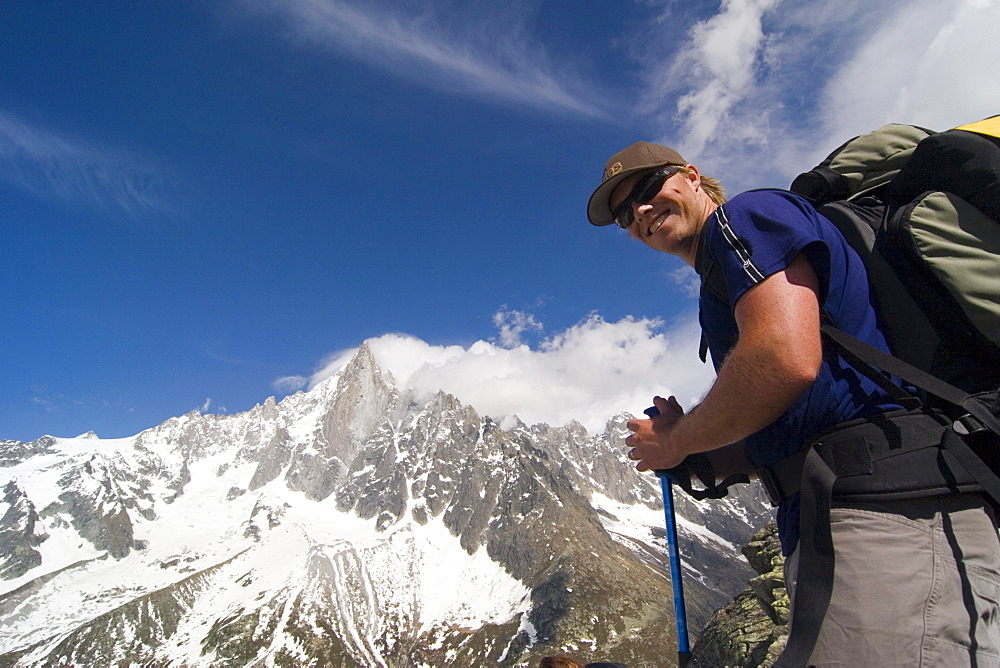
(916, 581)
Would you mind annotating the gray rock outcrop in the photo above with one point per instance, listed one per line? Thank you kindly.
(751, 631)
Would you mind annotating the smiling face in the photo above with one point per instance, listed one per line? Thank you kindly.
(671, 220)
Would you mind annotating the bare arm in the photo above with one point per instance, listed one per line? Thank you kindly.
(776, 358)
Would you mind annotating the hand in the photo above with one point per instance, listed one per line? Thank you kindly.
(651, 442)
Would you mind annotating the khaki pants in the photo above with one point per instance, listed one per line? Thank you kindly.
(917, 583)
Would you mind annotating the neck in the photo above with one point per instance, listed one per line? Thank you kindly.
(690, 254)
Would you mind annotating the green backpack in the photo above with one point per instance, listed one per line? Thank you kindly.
(923, 210)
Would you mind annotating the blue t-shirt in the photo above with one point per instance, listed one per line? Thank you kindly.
(757, 234)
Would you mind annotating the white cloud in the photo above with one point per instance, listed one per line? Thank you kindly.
(687, 280)
(932, 63)
(74, 171)
(723, 55)
(483, 51)
(586, 373)
(513, 325)
(765, 88)
(44, 403)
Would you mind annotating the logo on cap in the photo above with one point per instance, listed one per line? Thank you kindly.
(612, 170)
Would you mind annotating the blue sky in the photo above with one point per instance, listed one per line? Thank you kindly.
(207, 203)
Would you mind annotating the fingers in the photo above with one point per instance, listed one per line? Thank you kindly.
(649, 435)
(633, 442)
(645, 461)
(668, 406)
(636, 457)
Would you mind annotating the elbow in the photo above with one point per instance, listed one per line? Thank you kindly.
(798, 374)
(786, 388)
(801, 382)
(792, 369)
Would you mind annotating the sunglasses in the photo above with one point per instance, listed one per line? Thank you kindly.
(645, 190)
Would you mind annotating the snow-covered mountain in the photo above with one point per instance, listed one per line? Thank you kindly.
(349, 526)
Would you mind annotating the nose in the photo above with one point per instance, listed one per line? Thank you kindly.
(639, 213)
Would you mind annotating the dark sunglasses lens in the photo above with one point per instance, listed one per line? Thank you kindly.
(643, 191)
(623, 214)
(646, 189)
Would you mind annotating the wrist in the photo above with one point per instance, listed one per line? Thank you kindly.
(683, 439)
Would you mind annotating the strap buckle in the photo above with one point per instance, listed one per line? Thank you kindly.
(967, 425)
(772, 487)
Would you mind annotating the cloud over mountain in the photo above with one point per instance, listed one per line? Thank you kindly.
(587, 373)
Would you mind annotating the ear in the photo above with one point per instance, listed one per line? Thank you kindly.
(693, 175)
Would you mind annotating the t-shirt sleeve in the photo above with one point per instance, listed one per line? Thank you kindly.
(761, 233)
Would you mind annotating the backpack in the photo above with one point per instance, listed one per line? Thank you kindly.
(923, 211)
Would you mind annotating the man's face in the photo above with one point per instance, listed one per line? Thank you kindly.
(671, 220)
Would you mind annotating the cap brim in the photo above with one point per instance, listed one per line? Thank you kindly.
(599, 208)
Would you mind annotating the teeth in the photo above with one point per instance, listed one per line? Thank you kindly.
(655, 226)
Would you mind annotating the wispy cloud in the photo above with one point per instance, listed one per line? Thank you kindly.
(76, 172)
(290, 383)
(207, 406)
(588, 373)
(45, 402)
(762, 89)
(722, 58)
(488, 53)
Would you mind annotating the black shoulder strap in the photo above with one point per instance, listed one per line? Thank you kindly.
(712, 279)
(715, 282)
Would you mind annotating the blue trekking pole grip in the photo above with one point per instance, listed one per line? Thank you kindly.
(676, 578)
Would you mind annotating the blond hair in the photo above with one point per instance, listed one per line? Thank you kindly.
(712, 187)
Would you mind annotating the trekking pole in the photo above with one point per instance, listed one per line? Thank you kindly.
(680, 614)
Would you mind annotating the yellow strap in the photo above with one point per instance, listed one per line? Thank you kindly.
(989, 126)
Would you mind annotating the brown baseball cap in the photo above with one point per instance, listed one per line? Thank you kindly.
(638, 157)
